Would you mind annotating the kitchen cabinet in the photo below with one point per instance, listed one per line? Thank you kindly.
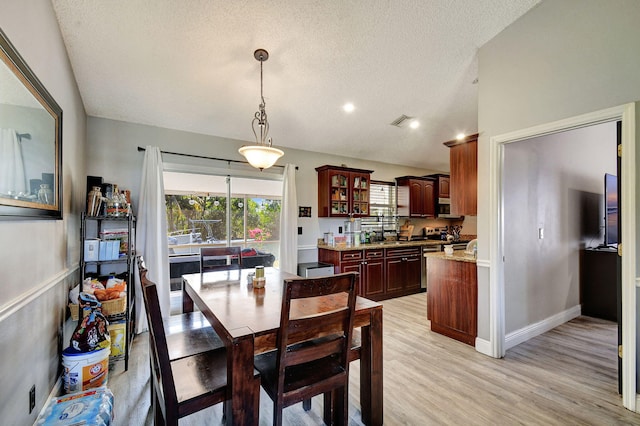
(416, 197)
(403, 270)
(373, 277)
(442, 185)
(343, 191)
(463, 157)
(452, 298)
(376, 282)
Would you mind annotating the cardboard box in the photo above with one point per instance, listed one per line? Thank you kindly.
(103, 251)
(91, 250)
(114, 246)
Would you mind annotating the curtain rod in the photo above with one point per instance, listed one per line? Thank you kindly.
(207, 158)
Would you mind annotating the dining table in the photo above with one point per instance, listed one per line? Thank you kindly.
(247, 319)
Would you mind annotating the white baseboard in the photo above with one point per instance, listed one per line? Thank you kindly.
(519, 336)
(483, 346)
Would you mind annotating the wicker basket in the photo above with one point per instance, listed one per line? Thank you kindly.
(109, 307)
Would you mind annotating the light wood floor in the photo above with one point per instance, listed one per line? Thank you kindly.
(567, 376)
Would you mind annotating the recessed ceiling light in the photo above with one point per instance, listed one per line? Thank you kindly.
(414, 124)
(461, 136)
(348, 107)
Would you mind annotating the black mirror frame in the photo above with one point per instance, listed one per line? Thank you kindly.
(29, 210)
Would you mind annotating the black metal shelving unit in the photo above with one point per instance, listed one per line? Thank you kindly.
(91, 227)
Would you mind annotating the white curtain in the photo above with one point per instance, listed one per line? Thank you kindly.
(12, 176)
(151, 230)
(289, 222)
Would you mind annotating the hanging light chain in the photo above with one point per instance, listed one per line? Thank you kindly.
(260, 117)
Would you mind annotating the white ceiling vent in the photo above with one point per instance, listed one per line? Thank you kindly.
(400, 121)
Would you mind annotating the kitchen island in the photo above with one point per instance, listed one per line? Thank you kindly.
(452, 297)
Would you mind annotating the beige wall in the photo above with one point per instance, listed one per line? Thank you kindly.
(112, 153)
(39, 258)
(560, 60)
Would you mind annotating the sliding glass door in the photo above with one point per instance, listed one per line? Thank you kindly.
(207, 210)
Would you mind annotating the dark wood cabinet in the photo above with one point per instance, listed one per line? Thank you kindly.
(443, 188)
(403, 271)
(452, 299)
(374, 284)
(416, 196)
(463, 158)
(383, 273)
(343, 192)
(599, 283)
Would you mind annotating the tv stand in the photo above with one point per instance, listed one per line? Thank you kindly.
(598, 283)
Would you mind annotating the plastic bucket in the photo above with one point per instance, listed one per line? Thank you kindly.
(85, 370)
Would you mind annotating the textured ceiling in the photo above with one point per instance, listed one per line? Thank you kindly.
(189, 65)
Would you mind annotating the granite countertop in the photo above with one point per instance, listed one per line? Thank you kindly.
(385, 244)
(458, 255)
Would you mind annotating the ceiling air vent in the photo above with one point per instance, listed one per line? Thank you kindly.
(399, 122)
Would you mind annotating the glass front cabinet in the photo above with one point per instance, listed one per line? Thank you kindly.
(343, 192)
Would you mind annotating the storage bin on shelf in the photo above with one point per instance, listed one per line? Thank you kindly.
(109, 307)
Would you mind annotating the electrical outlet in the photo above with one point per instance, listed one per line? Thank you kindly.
(339, 229)
(32, 398)
(299, 230)
(540, 233)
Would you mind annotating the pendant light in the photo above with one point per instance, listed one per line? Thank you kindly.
(261, 155)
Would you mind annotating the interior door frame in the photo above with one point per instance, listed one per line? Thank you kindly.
(626, 114)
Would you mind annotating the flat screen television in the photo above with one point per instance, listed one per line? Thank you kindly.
(611, 210)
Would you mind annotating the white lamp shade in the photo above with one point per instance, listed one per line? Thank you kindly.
(261, 156)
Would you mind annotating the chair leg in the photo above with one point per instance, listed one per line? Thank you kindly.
(277, 414)
(341, 406)
(327, 409)
(336, 407)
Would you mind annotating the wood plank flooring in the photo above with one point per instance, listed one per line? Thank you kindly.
(567, 376)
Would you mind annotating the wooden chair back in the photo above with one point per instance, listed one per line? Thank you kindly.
(220, 258)
(161, 374)
(185, 385)
(314, 342)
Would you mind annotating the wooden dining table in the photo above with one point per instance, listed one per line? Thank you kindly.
(247, 320)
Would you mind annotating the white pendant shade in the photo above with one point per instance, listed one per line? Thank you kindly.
(261, 156)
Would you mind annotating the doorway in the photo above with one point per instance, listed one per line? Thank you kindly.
(556, 261)
(626, 114)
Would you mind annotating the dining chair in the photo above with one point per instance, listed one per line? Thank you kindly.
(186, 385)
(186, 334)
(220, 258)
(313, 346)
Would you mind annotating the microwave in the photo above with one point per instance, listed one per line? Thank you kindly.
(443, 209)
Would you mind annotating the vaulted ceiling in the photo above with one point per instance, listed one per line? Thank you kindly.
(189, 65)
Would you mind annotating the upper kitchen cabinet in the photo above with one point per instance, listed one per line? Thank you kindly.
(416, 196)
(343, 192)
(464, 175)
(442, 184)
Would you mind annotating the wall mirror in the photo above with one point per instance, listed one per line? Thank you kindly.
(30, 142)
